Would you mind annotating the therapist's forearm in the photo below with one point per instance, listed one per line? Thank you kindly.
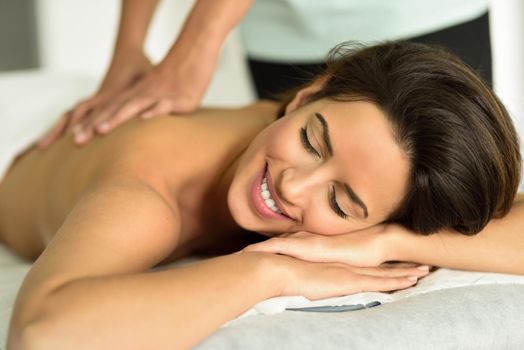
(205, 30)
(135, 17)
(499, 247)
(170, 309)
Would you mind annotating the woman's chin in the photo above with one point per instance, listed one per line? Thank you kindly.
(269, 234)
(240, 213)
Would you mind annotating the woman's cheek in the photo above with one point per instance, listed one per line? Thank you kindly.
(320, 220)
(283, 142)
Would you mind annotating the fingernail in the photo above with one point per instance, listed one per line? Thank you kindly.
(412, 278)
(103, 127)
(80, 137)
(423, 268)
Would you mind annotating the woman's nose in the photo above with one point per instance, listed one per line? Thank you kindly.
(298, 184)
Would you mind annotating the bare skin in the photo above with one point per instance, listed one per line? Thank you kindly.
(30, 218)
(98, 218)
(154, 191)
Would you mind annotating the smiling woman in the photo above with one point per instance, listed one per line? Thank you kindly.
(460, 143)
(309, 180)
(396, 133)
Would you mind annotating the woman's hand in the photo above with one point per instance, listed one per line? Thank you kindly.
(124, 72)
(326, 280)
(364, 248)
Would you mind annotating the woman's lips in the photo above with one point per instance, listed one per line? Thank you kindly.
(274, 195)
(258, 202)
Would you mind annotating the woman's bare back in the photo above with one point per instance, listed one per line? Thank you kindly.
(180, 157)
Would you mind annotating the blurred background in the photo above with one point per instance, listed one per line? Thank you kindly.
(75, 39)
(59, 50)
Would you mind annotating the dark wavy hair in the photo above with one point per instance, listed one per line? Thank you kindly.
(461, 143)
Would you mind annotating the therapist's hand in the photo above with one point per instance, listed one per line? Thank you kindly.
(163, 91)
(176, 87)
(369, 247)
(125, 70)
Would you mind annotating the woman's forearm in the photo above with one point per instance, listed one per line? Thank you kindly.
(170, 309)
(135, 18)
(499, 247)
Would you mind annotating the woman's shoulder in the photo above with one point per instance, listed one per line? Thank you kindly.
(179, 147)
(220, 119)
(210, 127)
(206, 126)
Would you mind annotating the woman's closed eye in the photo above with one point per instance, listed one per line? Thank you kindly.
(331, 194)
(334, 205)
(307, 145)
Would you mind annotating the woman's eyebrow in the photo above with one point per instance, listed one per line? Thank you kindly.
(327, 142)
(325, 133)
(356, 199)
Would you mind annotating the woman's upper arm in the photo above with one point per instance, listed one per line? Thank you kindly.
(117, 227)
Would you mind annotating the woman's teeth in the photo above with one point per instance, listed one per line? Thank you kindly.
(266, 195)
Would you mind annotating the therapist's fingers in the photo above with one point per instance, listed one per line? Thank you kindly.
(105, 119)
(83, 108)
(56, 131)
(84, 131)
(130, 109)
(160, 108)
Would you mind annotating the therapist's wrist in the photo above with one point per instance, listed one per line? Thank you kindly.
(189, 66)
(127, 48)
(193, 50)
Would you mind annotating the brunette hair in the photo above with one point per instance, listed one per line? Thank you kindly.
(461, 144)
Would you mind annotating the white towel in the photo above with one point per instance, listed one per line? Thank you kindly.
(440, 279)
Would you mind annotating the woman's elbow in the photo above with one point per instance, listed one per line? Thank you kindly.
(33, 326)
(31, 336)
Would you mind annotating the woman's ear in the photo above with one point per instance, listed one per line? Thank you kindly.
(303, 95)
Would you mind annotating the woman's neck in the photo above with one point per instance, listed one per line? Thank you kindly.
(217, 206)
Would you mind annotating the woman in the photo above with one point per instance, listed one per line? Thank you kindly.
(389, 144)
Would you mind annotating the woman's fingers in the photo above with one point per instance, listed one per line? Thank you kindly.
(420, 271)
(385, 284)
(399, 264)
(326, 280)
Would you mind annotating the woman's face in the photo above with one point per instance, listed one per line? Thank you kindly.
(329, 167)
